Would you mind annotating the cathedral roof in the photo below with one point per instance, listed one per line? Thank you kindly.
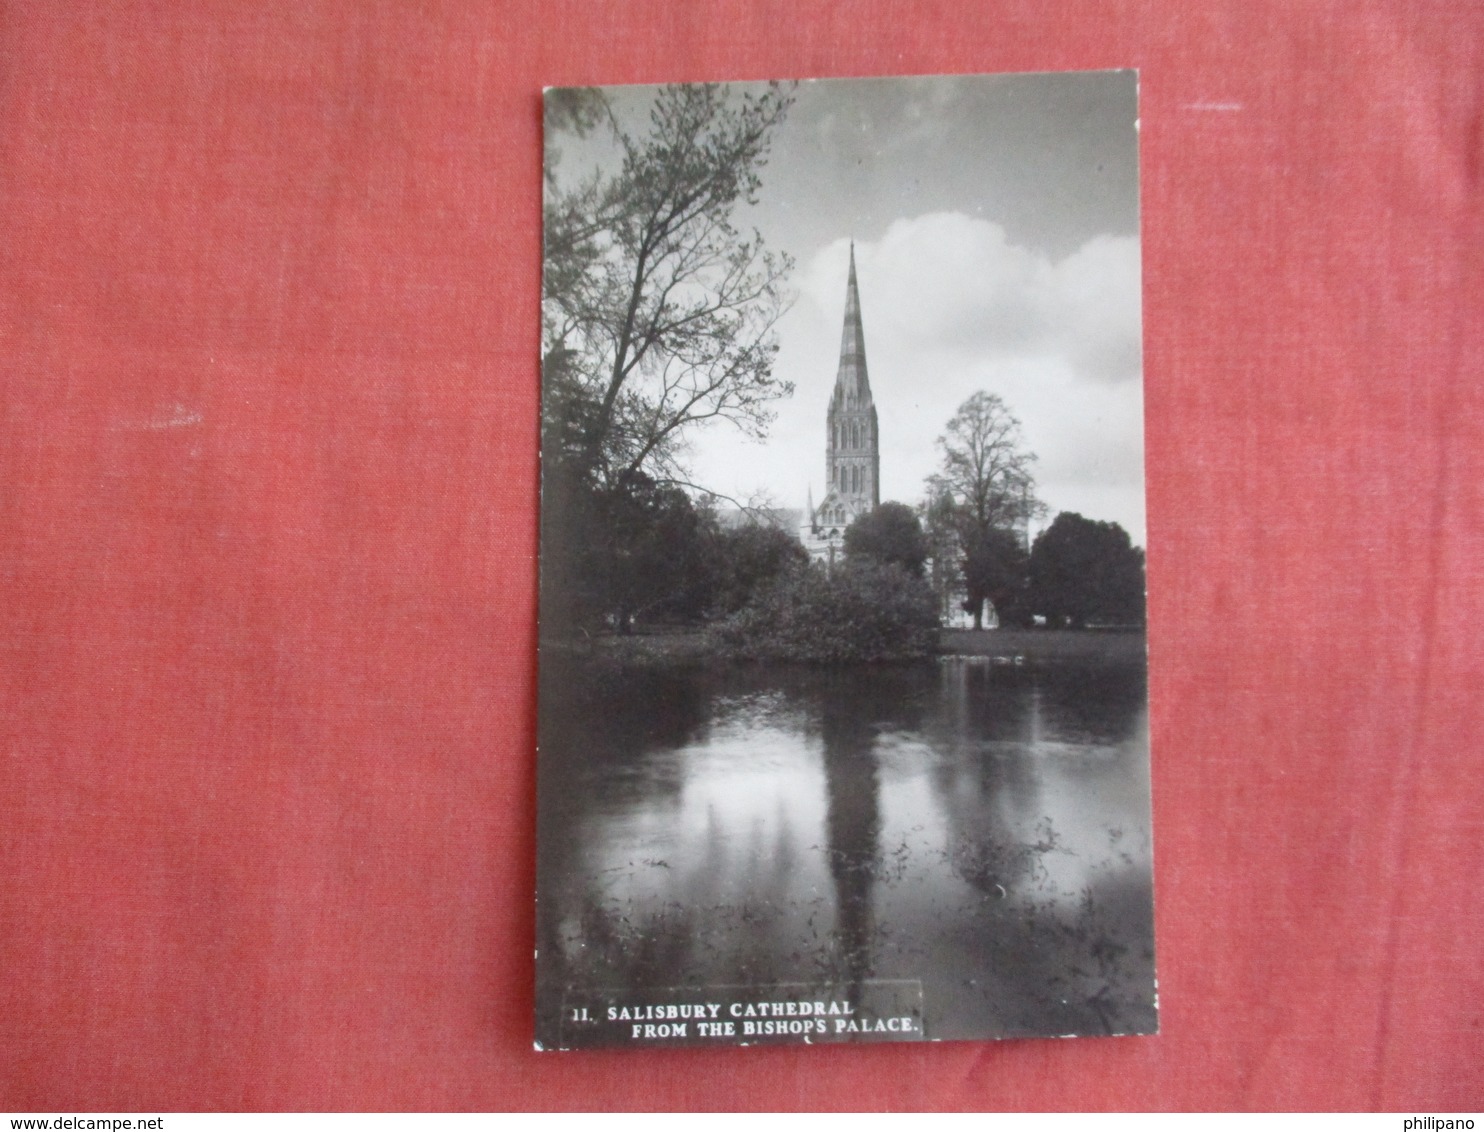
(852, 387)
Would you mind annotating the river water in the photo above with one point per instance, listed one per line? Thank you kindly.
(977, 827)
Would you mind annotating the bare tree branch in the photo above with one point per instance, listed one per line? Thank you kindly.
(663, 313)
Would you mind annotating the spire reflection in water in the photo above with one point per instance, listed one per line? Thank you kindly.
(984, 830)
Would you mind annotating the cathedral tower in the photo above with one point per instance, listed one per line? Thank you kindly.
(852, 438)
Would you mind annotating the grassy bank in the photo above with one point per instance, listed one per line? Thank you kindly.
(1025, 645)
(676, 646)
(1043, 645)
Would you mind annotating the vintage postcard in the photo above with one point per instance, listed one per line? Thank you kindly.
(843, 724)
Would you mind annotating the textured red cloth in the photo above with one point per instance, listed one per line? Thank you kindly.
(267, 538)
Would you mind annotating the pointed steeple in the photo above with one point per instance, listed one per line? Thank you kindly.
(852, 387)
(852, 435)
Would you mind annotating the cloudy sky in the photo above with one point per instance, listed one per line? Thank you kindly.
(996, 233)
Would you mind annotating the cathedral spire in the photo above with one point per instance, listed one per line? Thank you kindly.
(852, 387)
(852, 437)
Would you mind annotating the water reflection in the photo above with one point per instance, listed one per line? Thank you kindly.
(981, 828)
(852, 825)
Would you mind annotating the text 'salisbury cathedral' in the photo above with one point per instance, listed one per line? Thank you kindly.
(852, 441)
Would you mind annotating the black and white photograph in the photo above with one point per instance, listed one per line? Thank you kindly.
(843, 712)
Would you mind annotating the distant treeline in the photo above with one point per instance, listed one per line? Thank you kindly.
(649, 556)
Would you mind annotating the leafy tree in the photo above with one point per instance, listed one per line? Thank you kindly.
(1086, 571)
(657, 312)
(984, 494)
(619, 554)
(750, 558)
(986, 468)
(657, 552)
(995, 567)
(889, 533)
(945, 558)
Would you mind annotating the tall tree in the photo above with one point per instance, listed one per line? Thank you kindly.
(658, 312)
(985, 492)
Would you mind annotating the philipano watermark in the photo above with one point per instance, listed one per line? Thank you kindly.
(1436, 1123)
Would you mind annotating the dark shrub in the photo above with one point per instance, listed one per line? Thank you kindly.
(749, 559)
(1084, 572)
(859, 611)
(891, 534)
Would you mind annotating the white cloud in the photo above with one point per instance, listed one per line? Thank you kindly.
(950, 307)
(949, 281)
(1097, 300)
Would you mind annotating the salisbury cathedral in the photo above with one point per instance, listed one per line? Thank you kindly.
(852, 441)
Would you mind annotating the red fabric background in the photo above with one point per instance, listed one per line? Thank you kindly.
(267, 537)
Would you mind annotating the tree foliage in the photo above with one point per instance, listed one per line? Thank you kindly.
(861, 610)
(751, 558)
(658, 312)
(981, 501)
(626, 551)
(889, 534)
(569, 112)
(995, 568)
(945, 566)
(986, 467)
(1084, 572)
